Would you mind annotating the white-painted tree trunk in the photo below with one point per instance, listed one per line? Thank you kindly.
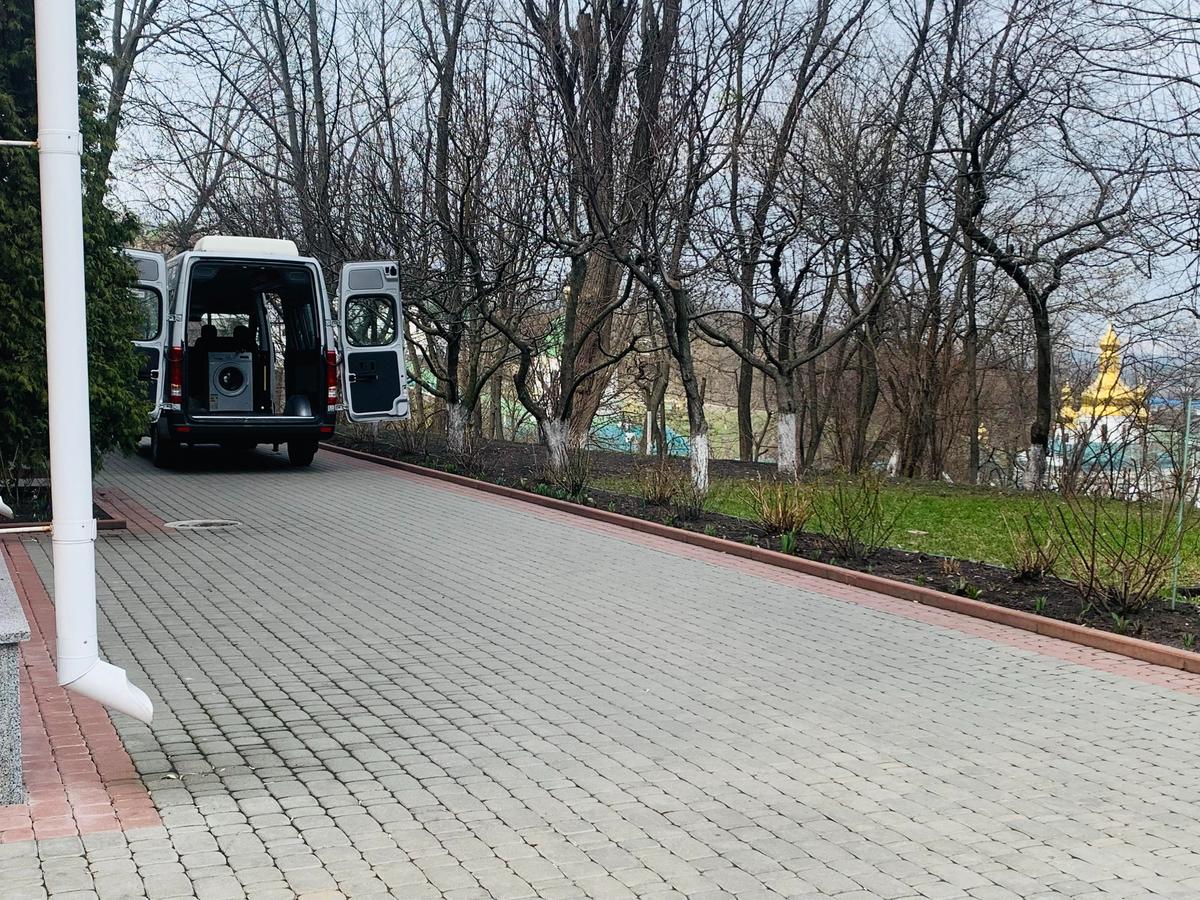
(1035, 468)
(699, 447)
(648, 434)
(787, 444)
(554, 433)
(456, 427)
(893, 464)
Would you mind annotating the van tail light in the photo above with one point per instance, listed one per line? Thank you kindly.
(331, 379)
(175, 374)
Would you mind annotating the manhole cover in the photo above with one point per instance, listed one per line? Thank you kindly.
(203, 524)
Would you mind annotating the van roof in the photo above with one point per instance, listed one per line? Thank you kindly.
(224, 243)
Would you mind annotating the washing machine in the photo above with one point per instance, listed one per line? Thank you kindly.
(230, 382)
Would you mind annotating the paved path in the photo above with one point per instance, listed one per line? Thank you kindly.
(382, 686)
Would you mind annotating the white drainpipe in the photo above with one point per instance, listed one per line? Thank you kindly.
(74, 540)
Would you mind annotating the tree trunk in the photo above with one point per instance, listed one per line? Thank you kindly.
(786, 456)
(477, 419)
(595, 293)
(554, 435)
(1039, 431)
(700, 452)
(414, 360)
(1035, 467)
(868, 396)
(971, 352)
(456, 427)
(496, 407)
(660, 429)
(745, 396)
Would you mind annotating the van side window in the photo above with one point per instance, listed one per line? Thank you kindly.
(370, 320)
(149, 313)
(296, 320)
(173, 270)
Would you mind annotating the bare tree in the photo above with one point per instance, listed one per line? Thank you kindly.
(1038, 228)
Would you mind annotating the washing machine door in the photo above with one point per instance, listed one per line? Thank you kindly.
(230, 382)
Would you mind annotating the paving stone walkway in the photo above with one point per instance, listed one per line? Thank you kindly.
(380, 686)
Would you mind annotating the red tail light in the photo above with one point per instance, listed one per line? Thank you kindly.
(175, 374)
(331, 379)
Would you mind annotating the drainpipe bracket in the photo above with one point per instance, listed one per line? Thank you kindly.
(80, 531)
(60, 140)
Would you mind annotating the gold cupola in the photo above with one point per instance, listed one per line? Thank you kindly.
(1108, 396)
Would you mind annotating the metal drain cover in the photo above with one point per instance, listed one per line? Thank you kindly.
(202, 524)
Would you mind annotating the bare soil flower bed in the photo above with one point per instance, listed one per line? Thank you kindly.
(32, 507)
(521, 466)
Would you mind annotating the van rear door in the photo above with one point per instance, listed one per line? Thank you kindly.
(374, 379)
(150, 288)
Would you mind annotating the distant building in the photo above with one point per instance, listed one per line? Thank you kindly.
(1110, 411)
(1108, 441)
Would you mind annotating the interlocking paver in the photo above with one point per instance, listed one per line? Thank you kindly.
(379, 685)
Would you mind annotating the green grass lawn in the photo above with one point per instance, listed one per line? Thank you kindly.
(960, 522)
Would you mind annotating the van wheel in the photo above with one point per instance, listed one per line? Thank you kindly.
(164, 452)
(301, 453)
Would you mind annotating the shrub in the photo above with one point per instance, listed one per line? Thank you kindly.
(689, 502)
(1120, 553)
(788, 543)
(470, 459)
(574, 478)
(964, 588)
(411, 438)
(407, 439)
(781, 506)
(1032, 556)
(660, 482)
(854, 522)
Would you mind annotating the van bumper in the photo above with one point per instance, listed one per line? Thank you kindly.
(262, 429)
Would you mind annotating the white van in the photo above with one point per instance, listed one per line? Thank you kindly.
(239, 347)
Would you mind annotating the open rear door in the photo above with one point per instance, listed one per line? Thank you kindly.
(375, 383)
(151, 291)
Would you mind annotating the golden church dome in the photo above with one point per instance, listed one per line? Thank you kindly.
(1108, 394)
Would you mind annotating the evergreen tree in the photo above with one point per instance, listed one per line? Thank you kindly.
(117, 409)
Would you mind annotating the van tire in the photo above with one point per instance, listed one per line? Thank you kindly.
(301, 453)
(164, 452)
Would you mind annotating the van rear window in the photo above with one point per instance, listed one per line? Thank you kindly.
(224, 323)
(370, 320)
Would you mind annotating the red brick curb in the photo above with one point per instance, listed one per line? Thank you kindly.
(79, 778)
(1134, 648)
